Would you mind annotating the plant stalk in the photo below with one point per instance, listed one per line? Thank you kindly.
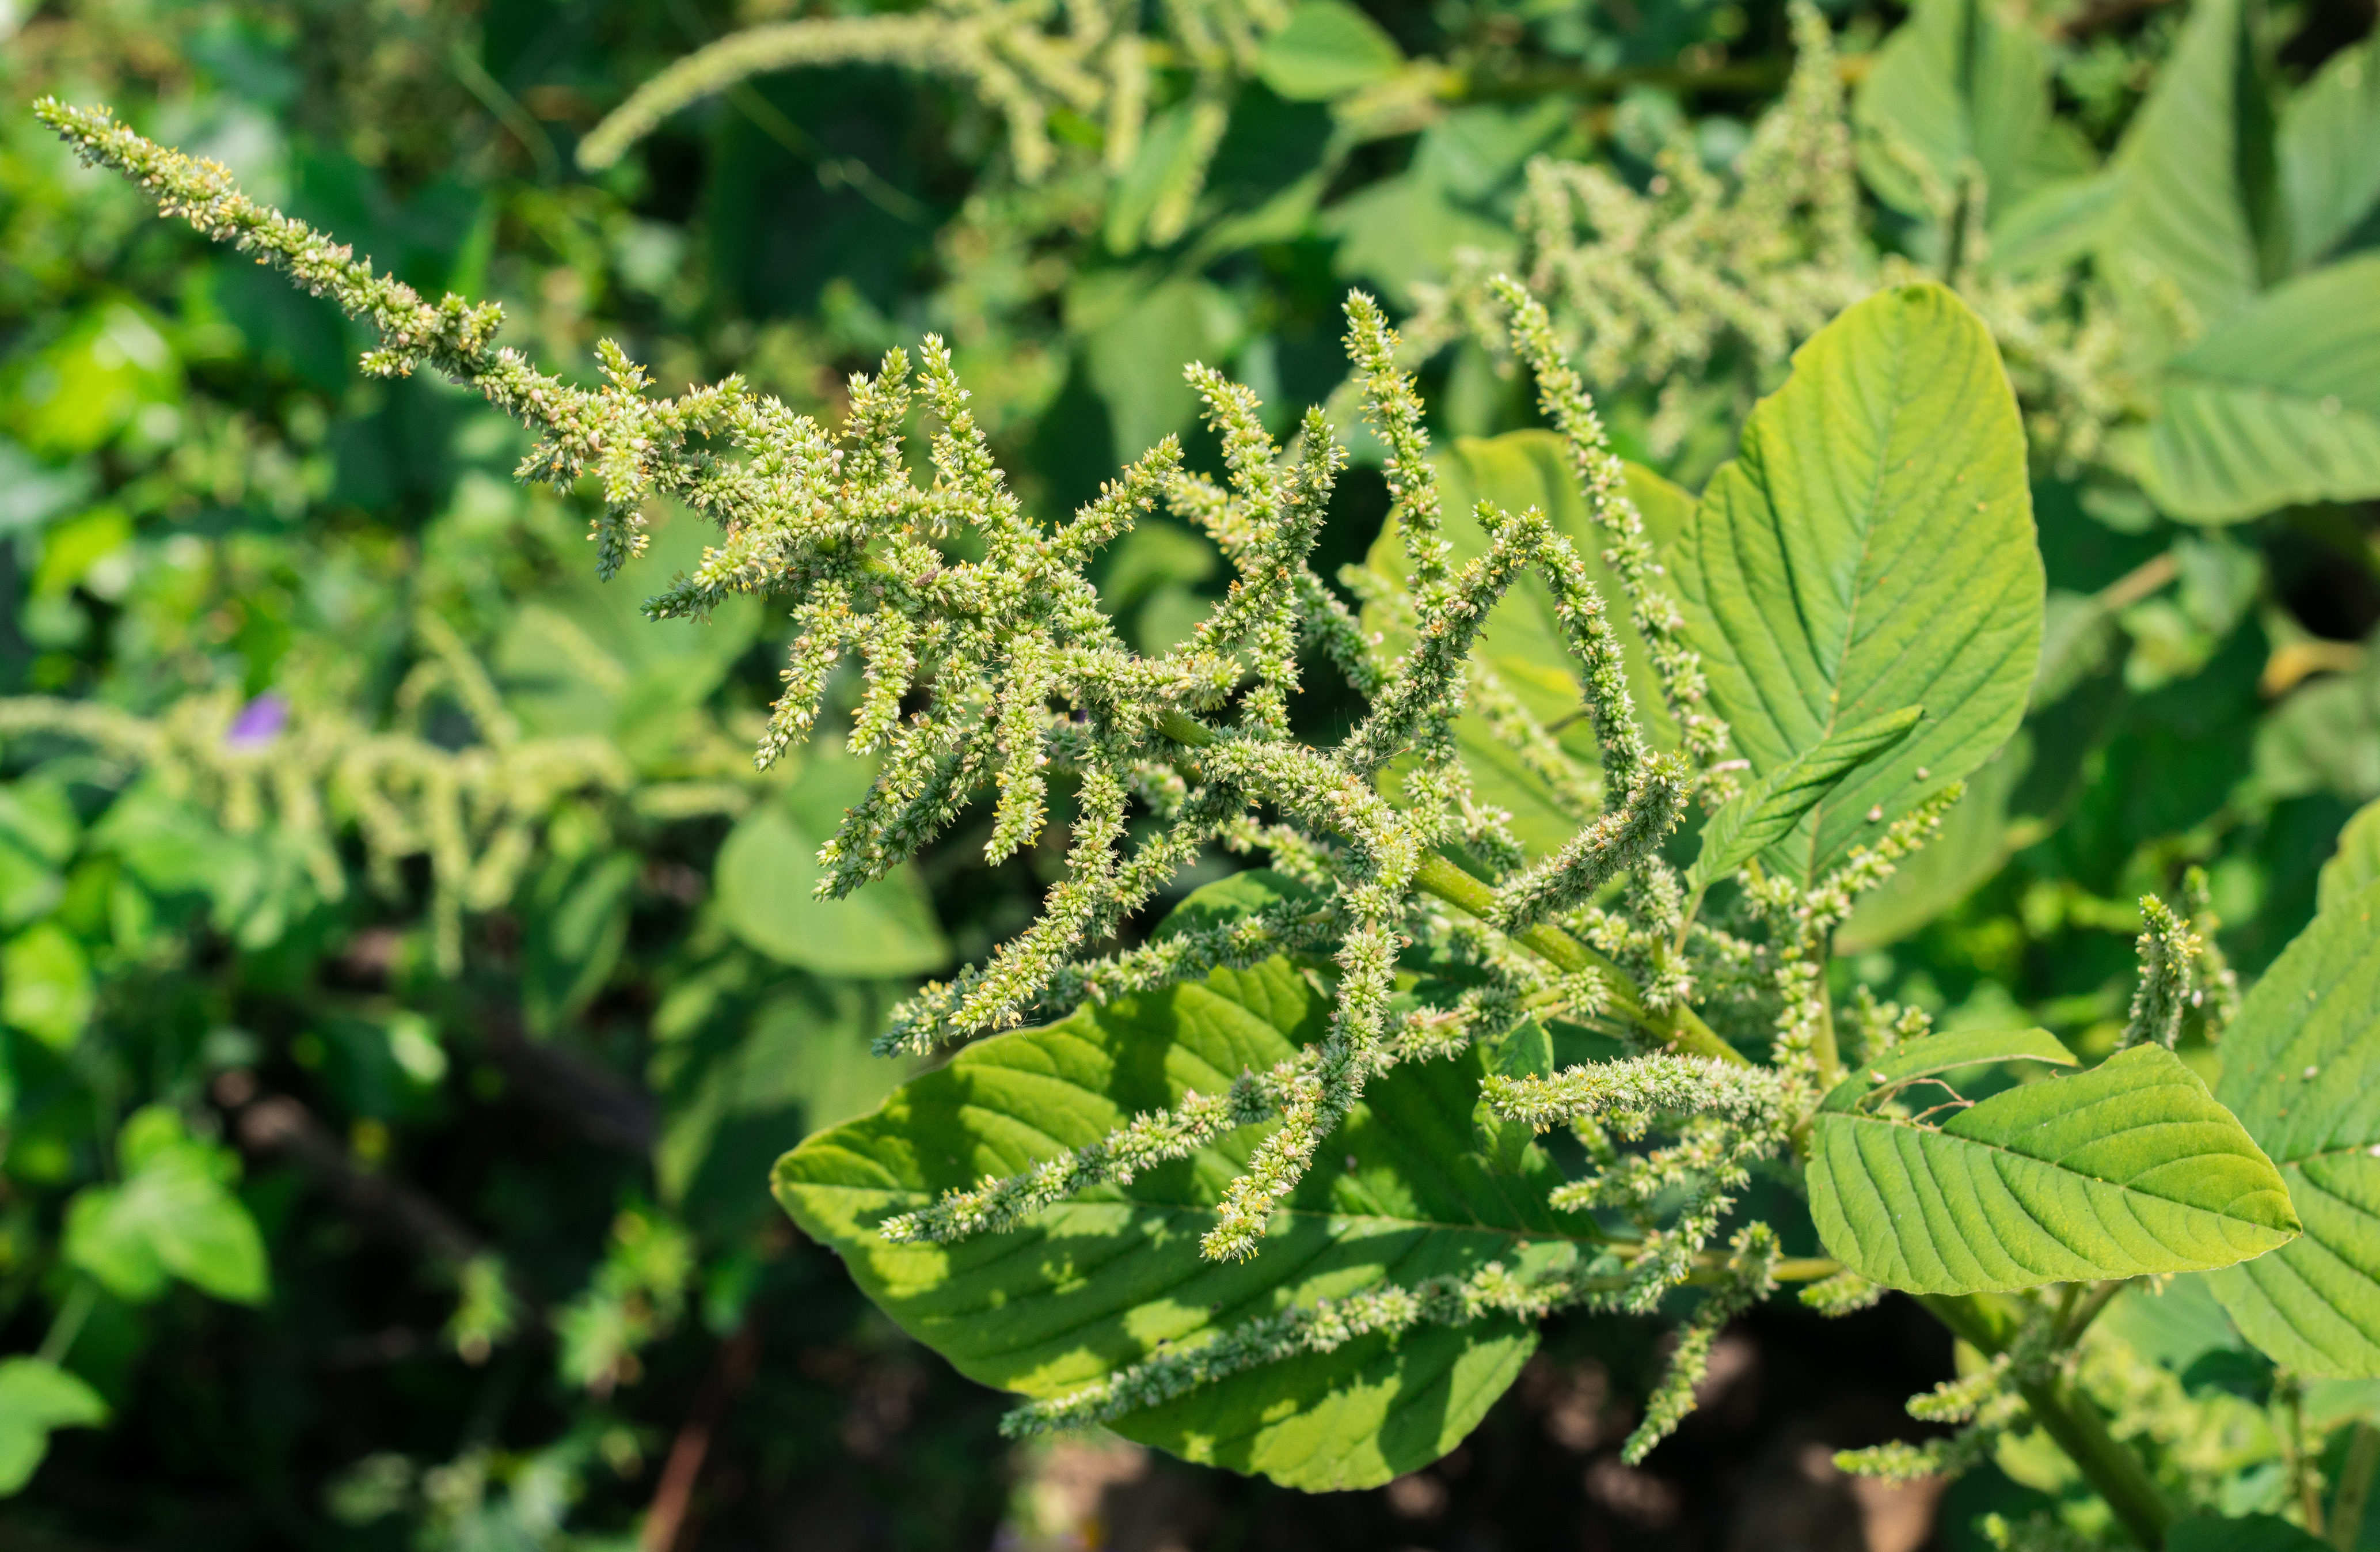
(2071, 1418)
(2354, 1494)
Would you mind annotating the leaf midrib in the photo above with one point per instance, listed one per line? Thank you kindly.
(1818, 815)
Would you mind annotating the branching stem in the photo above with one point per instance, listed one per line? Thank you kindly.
(2071, 1418)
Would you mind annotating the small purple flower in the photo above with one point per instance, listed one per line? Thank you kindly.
(258, 722)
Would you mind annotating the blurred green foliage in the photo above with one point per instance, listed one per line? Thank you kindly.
(394, 1175)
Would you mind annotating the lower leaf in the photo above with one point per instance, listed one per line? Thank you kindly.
(2132, 1167)
(1086, 1289)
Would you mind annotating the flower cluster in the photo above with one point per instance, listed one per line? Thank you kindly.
(989, 668)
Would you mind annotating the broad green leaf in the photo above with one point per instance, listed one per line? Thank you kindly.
(1946, 1053)
(173, 1214)
(1522, 642)
(2278, 403)
(2301, 1068)
(2195, 206)
(1762, 816)
(2356, 865)
(1328, 50)
(2329, 153)
(2128, 1169)
(1099, 1281)
(1955, 85)
(769, 867)
(37, 1397)
(1872, 548)
(2055, 226)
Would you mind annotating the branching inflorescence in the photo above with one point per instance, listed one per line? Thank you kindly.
(995, 674)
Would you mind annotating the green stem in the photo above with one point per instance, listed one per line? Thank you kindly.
(2355, 1475)
(1679, 1027)
(67, 1324)
(2071, 1418)
(2301, 1471)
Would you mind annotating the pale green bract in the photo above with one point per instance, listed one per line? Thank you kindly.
(2128, 1169)
(1872, 549)
(2301, 1068)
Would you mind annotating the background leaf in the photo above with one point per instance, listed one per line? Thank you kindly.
(35, 1398)
(1329, 49)
(2329, 151)
(2128, 1169)
(1872, 548)
(769, 866)
(2196, 206)
(2278, 403)
(1956, 84)
(2301, 1068)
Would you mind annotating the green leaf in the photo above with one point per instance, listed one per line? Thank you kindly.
(46, 985)
(1872, 548)
(2279, 404)
(1101, 1281)
(1522, 642)
(2132, 1167)
(2196, 206)
(1137, 331)
(37, 1397)
(172, 1215)
(1327, 49)
(738, 1079)
(2325, 737)
(2356, 865)
(2248, 1533)
(582, 659)
(1762, 816)
(2329, 153)
(1946, 1053)
(575, 923)
(1954, 85)
(769, 867)
(2301, 1068)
